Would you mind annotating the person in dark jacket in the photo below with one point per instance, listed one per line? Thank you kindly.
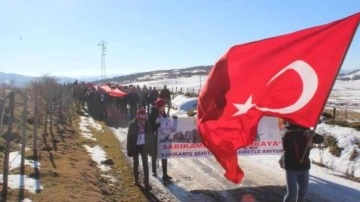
(296, 143)
(154, 94)
(139, 141)
(154, 126)
(166, 95)
(133, 101)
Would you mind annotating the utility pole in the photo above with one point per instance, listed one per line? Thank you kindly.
(102, 45)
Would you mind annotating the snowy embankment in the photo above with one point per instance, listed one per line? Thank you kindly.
(96, 152)
(345, 95)
(348, 140)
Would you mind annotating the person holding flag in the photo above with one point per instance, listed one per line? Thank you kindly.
(288, 76)
(164, 129)
(296, 140)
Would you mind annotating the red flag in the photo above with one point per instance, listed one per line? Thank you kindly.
(116, 93)
(288, 76)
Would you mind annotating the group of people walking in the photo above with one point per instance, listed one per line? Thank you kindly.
(142, 140)
(143, 98)
(152, 123)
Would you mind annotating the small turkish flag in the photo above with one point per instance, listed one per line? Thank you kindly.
(288, 76)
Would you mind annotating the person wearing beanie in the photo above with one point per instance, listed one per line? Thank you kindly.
(139, 142)
(164, 126)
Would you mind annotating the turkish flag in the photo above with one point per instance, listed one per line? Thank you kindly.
(288, 76)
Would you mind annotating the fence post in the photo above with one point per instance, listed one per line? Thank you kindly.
(23, 145)
(7, 146)
(2, 110)
(346, 110)
(35, 126)
(334, 113)
(46, 118)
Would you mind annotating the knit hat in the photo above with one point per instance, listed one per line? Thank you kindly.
(141, 114)
(160, 102)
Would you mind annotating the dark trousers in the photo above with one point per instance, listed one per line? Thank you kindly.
(141, 150)
(169, 106)
(153, 163)
(154, 152)
(163, 165)
(154, 158)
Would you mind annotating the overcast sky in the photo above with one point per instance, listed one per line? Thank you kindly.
(60, 37)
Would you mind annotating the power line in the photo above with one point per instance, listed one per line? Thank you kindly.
(102, 44)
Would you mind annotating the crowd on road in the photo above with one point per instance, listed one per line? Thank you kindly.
(101, 104)
(150, 123)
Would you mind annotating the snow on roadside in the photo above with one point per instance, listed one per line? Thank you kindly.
(89, 121)
(97, 153)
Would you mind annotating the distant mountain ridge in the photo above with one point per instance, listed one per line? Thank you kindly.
(197, 70)
(22, 80)
(15, 79)
(353, 75)
(160, 74)
(19, 80)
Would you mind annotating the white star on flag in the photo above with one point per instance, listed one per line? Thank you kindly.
(243, 108)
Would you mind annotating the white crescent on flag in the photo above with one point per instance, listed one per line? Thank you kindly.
(310, 84)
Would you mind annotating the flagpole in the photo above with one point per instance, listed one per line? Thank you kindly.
(323, 107)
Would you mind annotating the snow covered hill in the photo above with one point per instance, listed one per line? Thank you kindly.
(353, 75)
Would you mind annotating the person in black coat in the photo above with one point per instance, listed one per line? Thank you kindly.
(166, 95)
(154, 94)
(296, 143)
(139, 142)
(154, 126)
(133, 101)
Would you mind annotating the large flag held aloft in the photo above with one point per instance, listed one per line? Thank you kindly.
(288, 76)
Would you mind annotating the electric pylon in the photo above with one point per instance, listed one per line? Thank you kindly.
(102, 45)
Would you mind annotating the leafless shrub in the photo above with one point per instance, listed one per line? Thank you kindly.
(331, 142)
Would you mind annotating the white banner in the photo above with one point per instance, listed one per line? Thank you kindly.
(186, 142)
